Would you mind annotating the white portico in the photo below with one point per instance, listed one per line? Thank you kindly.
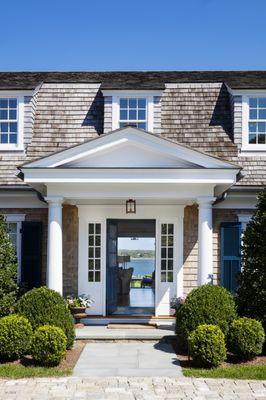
(99, 175)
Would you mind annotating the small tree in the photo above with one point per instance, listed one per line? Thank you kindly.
(251, 295)
(8, 271)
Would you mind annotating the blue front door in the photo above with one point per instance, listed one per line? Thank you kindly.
(230, 255)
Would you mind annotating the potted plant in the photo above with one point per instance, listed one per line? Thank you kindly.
(177, 302)
(78, 304)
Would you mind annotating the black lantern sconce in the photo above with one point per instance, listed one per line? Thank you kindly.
(131, 206)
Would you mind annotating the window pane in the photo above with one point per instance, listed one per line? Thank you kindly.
(253, 102)
(141, 125)
(13, 127)
(97, 252)
(141, 103)
(91, 228)
(13, 138)
(262, 114)
(12, 114)
(252, 138)
(164, 229)
(98, 229)
(170, 276)
(252, 127)
(252, 114)
(123, 114)
(123, 103)
(4, 127)
(132, 114)
(97, 276)
(164, 241)
(261, 139)
(98, 240)
(163, 252)
(91, 264)
(163, 276)
(91, 252)
(90, 276)
(132, 103)
(141, 114)
(261, 126)
(3, 114)
(170, 253)
(91, 240)
(4, 138)
(12, 103)
(3, 103)
(262, 102)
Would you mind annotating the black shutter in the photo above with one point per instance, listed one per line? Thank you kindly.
(31, 254)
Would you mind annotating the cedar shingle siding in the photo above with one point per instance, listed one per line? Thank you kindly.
(195, 109)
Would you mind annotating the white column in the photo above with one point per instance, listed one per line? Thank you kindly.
(54, 245)
(205, 239)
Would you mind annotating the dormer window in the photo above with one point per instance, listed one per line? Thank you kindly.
(130, 107)
(254, 122)
(11, 121)
(133, 111)
(257, 120)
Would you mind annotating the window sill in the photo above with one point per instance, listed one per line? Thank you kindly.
(253, 151)
(11, 148)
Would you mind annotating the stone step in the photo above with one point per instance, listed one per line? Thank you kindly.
(90, 320)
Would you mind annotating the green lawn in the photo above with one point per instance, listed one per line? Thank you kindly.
(235, 372)
(16, 371)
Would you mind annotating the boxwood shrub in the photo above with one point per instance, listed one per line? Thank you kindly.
(48, 345)
(45, 306)
(207, 346)
(246, 337)
(206, 304)
(15, 337)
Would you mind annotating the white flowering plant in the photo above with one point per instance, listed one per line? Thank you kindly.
(84, 300)
(176, 302)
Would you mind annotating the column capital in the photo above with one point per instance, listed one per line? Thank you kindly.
(206, 201)
(54, 200)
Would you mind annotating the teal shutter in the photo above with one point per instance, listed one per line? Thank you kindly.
(230, 255)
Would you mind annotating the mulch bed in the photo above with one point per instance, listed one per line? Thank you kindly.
(232, 360)
(68, 362)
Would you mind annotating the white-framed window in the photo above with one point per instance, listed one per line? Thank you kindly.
(94, 252)
(133, 108)
(133, 111)
(11, 121)
(14, 225)
(254, 122)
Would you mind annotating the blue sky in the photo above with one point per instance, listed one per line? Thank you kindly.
(132, 35)
(139, 244)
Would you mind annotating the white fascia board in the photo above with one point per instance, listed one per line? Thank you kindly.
(46, 175)
(151, 141)
(131, 93)
(240, 92)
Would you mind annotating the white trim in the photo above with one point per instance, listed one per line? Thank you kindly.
(100, 214)
(19, 146)
(131, 135)
(18, 219)
(244, 220)
(46, 175)
(246, 146)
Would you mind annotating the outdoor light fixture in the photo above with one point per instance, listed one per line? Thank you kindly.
(131, 206)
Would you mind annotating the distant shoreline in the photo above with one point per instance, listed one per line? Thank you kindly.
(142, 258)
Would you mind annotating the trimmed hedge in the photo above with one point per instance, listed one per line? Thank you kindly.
(15, 337)
(45, 306)
(246, 337)
(207, 346)
(206, 304)
(48, 345)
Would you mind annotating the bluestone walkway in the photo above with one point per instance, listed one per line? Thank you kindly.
(127, 359)
(120, 388)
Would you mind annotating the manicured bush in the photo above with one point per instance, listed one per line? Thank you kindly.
(205, 305)
(207, 346)
(48, 345)
(245, 338)
(8, 271)
(15, 336)
(44, 306)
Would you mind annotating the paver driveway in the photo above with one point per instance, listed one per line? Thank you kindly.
(131, 389)
(128, 359)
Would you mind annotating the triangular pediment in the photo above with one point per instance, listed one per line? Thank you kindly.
(129, 148)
